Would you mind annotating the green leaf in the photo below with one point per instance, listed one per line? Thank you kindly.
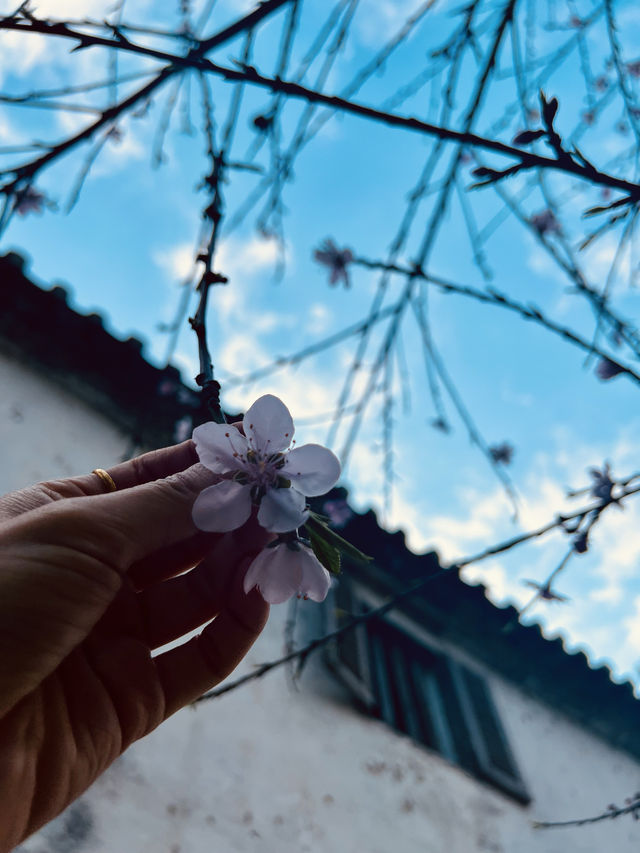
(328, 555)
(317, 526)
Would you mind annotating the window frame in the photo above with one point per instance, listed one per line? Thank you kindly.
(420, 689)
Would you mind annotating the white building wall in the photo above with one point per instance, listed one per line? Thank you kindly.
(271, 769)
(274, 769)
(47, 432)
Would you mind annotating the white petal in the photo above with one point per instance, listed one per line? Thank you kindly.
(268, 425)
(222, 507)
(259, 565)
(282, 510)
(316, 580)
(277, 574)
(216, 445)
(312, 468)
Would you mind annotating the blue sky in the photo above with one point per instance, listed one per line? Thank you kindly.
(130, 240)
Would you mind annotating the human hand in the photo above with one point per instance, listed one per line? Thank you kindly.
(90, 584)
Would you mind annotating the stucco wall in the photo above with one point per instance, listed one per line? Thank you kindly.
(271, 768)
(47, 432)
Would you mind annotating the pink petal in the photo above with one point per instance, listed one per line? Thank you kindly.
(268, 425)
(282, 510)
(223, 507)
(276, 572)
(216, 445)
(312, 468)
(316, 580)
(282, 572)
(259, 565)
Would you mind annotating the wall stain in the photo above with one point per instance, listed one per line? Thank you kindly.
(408, 806)
(72, 829)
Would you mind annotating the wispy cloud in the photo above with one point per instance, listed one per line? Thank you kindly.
(377, 18)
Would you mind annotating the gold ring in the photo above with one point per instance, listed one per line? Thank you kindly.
(106, 478)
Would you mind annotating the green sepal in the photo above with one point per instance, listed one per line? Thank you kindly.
(326, 553)
(317, 527)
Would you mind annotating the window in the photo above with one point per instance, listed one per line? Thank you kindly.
(425, 694)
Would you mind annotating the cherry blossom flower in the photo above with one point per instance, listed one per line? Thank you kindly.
(336, 259)
(285, 570)
(502, 453)
(168, 386)
(338, 512)
(115, 134)
(260, 470)
(546, 223)
(633, 68)
(30, 200)
(602, 482)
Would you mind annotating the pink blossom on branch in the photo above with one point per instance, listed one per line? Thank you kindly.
(546, 223)
(337, 260)
(285, 570)
(337, 511)
(502, 453)
(30, 200)
(602, 482)
(261, 470)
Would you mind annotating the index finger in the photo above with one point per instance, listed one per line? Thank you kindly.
(155, 465)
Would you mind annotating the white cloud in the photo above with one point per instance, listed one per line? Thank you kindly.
(378, 18)
(8, 134)
(599, 258)
(244, 257)
(320, 319)
(21, 52)
(541, 263)
(176, 262)
(632, 627)
(238, 259)
(187, 362)
(616, 550)
(611, 594)
(499, 582)
(63, 9)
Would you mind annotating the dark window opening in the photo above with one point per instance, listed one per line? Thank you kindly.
(435, 700)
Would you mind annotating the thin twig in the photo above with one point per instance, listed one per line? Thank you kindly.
(611, 813)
